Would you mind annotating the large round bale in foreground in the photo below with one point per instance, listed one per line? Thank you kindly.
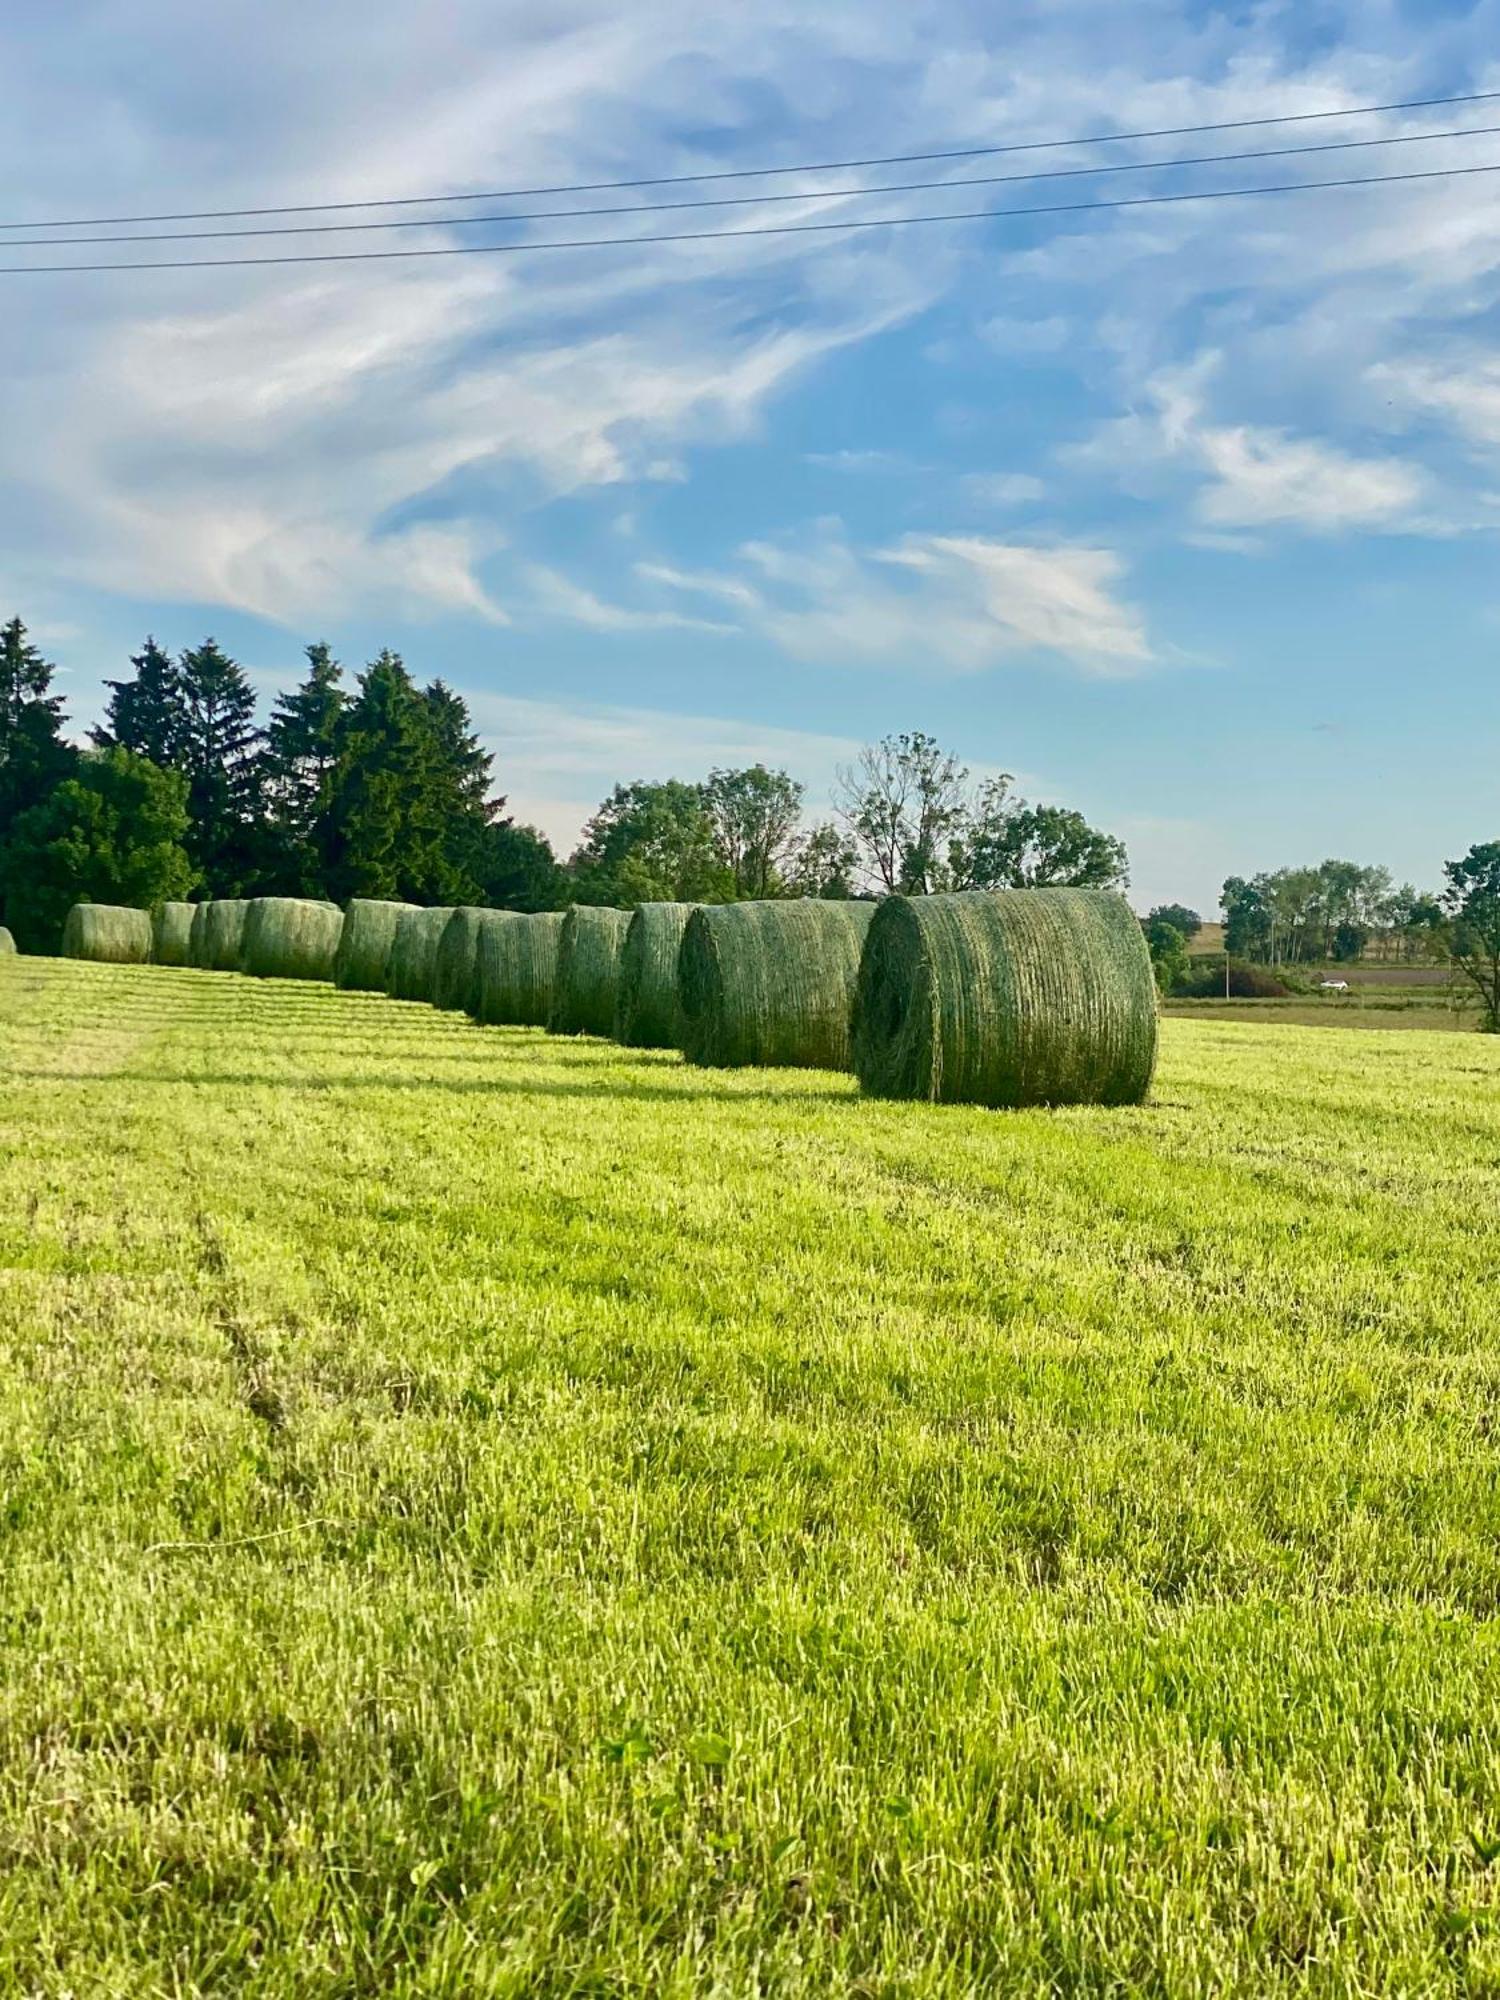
(171, 929)
(408, 974)
(108, 933)
(646, 1006)
(588, 970)
(290, 937)
(770, 984)
(218, 930)
(7, 943)
(1022, 996)
(364, 953)
(517, 971)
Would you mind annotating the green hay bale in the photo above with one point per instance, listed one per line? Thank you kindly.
(217, 933)
(588, 970)
(408, 975)
(364, 953)
(518, 971)
(770, 984)
(290, 937)
(1025, 996)
(7, 943)
(171, 929)
(455, 975)
(107, 933)
(646, 1015)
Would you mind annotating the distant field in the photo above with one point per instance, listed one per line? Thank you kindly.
(490, 1515)
(1394, 1008)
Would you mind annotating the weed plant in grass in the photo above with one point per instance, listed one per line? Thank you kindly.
(487, 1514)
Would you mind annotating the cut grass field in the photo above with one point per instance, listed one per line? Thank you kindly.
(491, 1515)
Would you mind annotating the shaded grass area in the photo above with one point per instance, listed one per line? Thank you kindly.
(485, 1514)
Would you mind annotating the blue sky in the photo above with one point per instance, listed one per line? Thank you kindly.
(1186, 515)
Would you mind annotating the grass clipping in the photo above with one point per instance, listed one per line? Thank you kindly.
(107, 933)
(1023, 996)
(290, 937)
(414, 949)
(218, 929)
(646, 1013)
(588, 970)
(171, 930)
(771, 983)
(517, 971)
(364, 953)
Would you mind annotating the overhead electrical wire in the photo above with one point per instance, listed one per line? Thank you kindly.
(753, 200)
(842, 223)
(756, 173)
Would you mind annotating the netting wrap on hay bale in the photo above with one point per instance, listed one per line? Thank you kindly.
(518, 971)
(7, 943)
(1022, 996)
(171, 928)
(770, 983)
(290, 937)
(217, 933)
(588, 970)
(364, 953)
(413, 959)
(646, 1006)
(108, 933)
(455, 975)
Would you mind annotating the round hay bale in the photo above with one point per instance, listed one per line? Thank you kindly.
(108, 933)
(408, 974)
(455, 974)
(171, 928)
(518, 970)
(1021, 996)
(770, 984)
(588, 970)
(646, 1009)
(290, 937)
(7, 943)
(217, 933)
(364, 952)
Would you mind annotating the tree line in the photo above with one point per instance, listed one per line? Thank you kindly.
(380, 787)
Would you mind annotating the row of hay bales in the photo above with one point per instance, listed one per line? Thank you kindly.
(1037, 996)
(1006, 998)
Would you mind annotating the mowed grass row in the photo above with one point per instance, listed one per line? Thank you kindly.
(490, 1514)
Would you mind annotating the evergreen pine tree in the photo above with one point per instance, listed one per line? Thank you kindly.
(221, 759)
(33, 755)
(298, 764)
(148, 714)
(384, 746)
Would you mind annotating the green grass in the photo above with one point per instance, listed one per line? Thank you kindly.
(491, 1515)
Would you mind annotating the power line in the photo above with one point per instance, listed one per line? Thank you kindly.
(756, 173)
(752, 200)
(742, 235)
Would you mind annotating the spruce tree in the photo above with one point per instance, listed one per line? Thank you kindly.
(381, 777)
(298, 764)
(148, 714)
(33, 755)
(221, 759)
